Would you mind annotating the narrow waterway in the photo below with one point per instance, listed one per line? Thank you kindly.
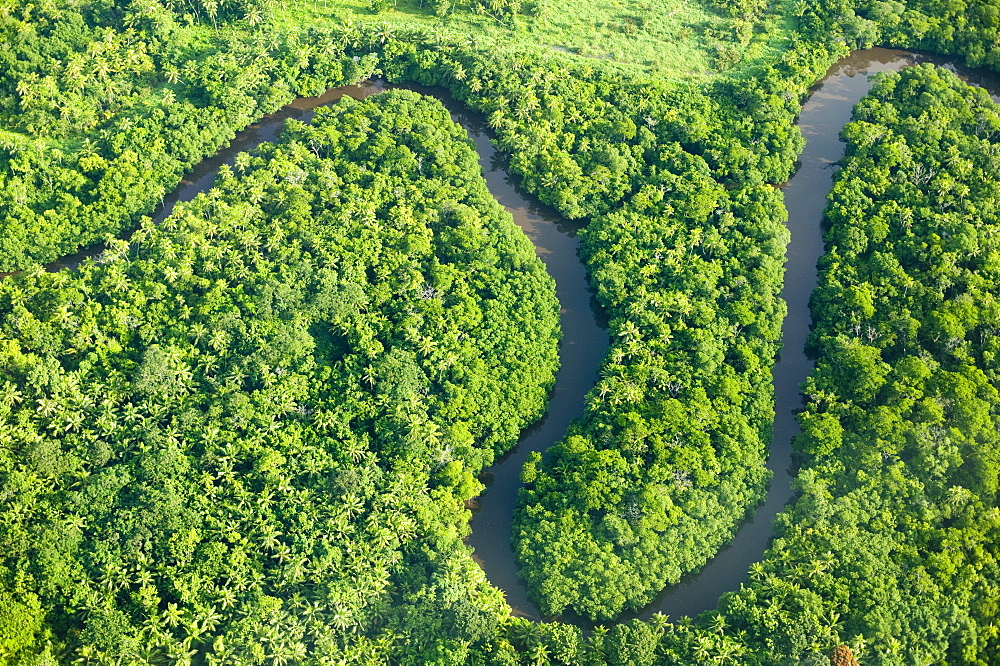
(583, 344)
(585, 341)
(828, 109)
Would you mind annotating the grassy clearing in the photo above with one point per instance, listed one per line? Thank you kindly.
(662, 35)
(671, 39)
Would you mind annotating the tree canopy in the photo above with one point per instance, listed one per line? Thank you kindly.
(246, 435)
(347, 314)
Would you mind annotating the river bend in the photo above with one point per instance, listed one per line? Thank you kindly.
(585, 342)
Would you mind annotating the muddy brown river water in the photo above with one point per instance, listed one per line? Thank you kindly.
(584, 340)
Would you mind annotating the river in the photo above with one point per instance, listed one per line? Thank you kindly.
(583, 344)
(827, 110)
(584, 340)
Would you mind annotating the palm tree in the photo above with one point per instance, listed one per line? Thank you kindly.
(956, 496)
(173, 615)
(352, 504)
(729, 652)
(180, 655)
(659, 623)
(383, 33)
(26, 90)
(525, 632)
(629, 331)
(597, 636)
(254, 17)
(341, 618)
(209, 620)
(832, 626)
(212, 9)
(539, 655)
(703, 648)
(227, 598)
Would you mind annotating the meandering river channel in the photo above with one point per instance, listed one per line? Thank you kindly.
(585, 341)
(827, 110)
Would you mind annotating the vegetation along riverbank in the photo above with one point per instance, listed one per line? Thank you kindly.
(246, 434)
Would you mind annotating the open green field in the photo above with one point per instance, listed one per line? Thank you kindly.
(671, 39)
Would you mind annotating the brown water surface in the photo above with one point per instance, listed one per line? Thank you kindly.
(583, 344)
(584, 340)
(823, 115)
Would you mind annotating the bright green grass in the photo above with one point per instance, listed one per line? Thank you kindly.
(659, 34)
(671, 39)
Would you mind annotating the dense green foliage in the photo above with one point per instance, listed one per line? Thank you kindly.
(585, 142)
(100, 121)
(892, 546)
(969, 28)
(348, 314)
(684, 248)
(599, 520)
(671, 452)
